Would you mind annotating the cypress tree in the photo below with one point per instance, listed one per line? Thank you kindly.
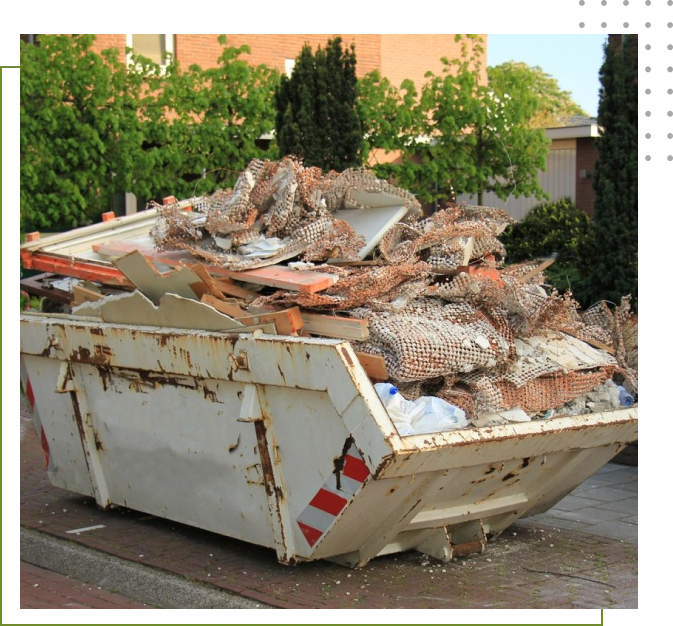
(316, 108)
(614, 255)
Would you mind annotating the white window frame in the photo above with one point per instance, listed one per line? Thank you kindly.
(170, 49)
(289, 67)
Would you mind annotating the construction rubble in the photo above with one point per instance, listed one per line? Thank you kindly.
(427, 302)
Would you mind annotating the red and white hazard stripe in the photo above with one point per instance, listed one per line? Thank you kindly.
(317, 518)
(30, 395)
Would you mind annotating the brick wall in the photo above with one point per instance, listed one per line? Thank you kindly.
(397, 56)
(411, 56)
(111, 41)
(587, 154)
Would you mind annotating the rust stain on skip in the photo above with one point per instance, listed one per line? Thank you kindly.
(272, 489)
(347, 356)
(267, 468)
(101, 355)
(80, 427)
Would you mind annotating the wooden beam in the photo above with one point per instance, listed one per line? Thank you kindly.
(328, 325)
(375, 366)
(287, 322)
(224, 307)
(333, 326)
(228, 287)
(534, 272)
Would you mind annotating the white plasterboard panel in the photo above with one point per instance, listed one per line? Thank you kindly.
(372, 223)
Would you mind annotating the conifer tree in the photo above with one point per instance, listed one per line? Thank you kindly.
(317, 117)
(613, 272)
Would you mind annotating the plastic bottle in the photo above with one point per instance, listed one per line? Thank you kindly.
(625, 398)
(427, 414)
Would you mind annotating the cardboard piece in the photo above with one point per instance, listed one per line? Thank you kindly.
(154, 284)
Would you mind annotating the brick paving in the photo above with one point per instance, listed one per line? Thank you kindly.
(42, 589)
(534, 564)
(605, 504)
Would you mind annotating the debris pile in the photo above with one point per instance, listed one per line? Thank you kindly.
(428, 304)
(281, 207)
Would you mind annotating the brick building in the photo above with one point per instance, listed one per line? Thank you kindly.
(396, 56)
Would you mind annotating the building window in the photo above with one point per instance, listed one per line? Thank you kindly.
(154, 47)
(289, 67)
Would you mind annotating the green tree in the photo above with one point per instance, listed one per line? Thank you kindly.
(316, 108)
(613, 255)
(91, 127)
(203, 126)
(555, 105)
(73, 109)
(460, 135)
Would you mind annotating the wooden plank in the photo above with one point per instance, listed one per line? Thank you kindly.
(282, 277)
(279, 276)
(208, 281)
(287, 322)
(328, 325)
(227, 308)
(229, 288)
(338, 327)
(82, 294)
(375, 366)
(534, 272)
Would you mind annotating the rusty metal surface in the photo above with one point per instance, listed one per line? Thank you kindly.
(239, 434)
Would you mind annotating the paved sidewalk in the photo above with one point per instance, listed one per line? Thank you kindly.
(605, 504)
(537, 563)
(42, 589)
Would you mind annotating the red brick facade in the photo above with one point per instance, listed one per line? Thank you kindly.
(586, 156)
(396, 56)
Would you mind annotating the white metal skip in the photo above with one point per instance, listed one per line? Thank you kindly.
(283, 442)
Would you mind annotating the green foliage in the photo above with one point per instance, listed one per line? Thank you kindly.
(553, 227)
(613, 253)
(70, 121)
(460, 135)
(558, 228)
(555, 105)
(212, 120)
(91, 127)
(316, 109)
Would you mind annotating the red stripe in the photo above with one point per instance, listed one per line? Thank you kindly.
(45, 447)
(328, 502)
(29, 394)
(356, 469)
(312, 534)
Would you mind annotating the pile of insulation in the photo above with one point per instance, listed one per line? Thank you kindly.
(444, 312)
(277, 210)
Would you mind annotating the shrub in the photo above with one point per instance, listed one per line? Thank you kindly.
(558, 228)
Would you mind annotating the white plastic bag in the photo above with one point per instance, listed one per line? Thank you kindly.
(425, 415)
